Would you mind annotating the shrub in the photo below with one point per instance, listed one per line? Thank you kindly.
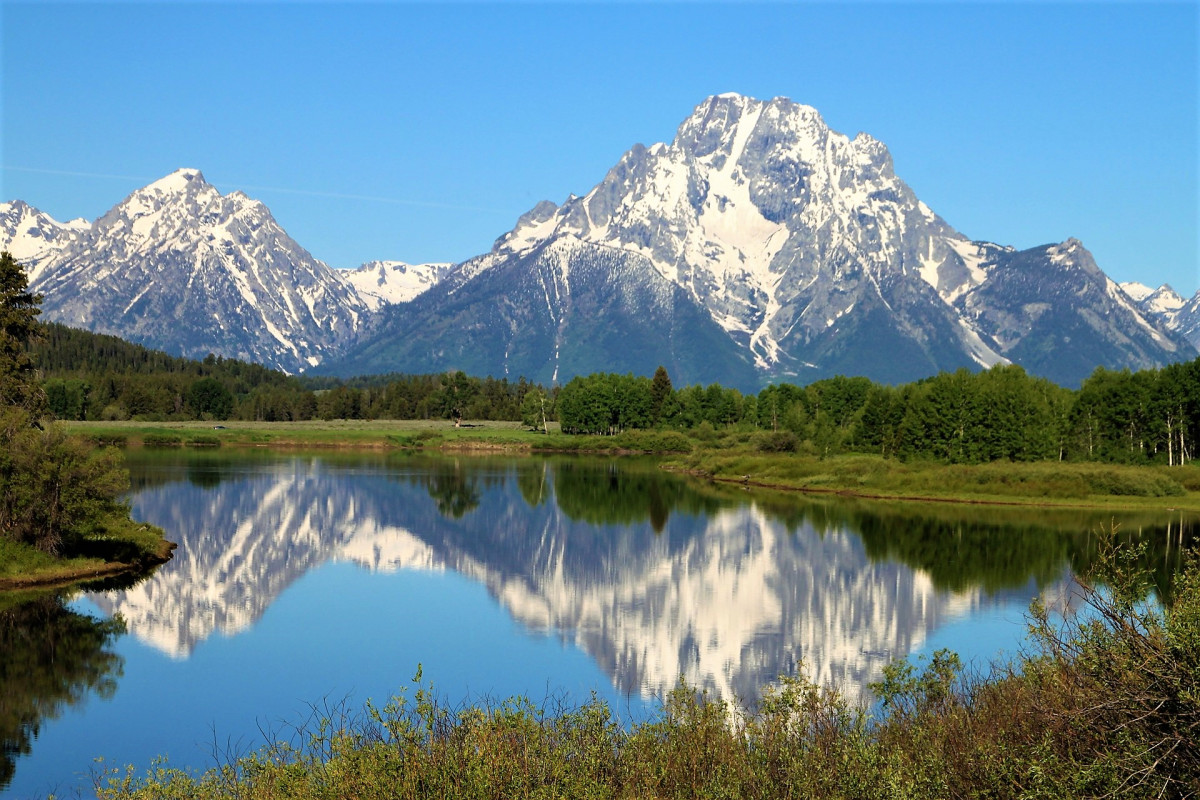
(162, 440)
(778, 442)
(203, 440)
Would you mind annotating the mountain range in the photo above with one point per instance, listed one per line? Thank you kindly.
(759, 245)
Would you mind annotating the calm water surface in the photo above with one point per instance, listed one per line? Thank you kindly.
(306, 583)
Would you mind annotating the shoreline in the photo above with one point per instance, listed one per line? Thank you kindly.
(1021, 484)
(903, 498)
(63, 576)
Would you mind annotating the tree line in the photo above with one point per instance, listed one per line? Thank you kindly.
(89, 376)
(1150, 416)
(1003, 413)
(56, 490)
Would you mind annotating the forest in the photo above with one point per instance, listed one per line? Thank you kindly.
(60, 498)
(1003, 413)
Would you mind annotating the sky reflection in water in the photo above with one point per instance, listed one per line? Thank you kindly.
(304, 583)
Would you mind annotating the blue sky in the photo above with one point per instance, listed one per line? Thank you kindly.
(421, 131)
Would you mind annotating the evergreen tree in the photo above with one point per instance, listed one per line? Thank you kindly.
(209, 396)
(54, 488)
(660, 390)
(19, 386)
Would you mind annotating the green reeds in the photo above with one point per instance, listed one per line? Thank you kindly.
(1105, 704)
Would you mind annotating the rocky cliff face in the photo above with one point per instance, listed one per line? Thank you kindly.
(759, 245)
(181, 267)
(801, 249)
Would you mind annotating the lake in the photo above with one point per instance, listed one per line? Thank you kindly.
(305, 583)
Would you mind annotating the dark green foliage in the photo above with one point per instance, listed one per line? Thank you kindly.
(56, 490)
(68, 399)
(605, 404)
(93, 376)
(660, 391)
(18, 328)
(536, 409)
(162, 440)
(962, 417)
(779, 442)
(209, 399)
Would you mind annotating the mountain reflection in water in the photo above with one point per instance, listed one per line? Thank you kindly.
(653, 576)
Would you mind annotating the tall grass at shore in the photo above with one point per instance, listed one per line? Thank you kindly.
(1106, 703)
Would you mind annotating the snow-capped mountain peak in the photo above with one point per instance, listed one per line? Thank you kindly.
(180, 180)
(753, 204)
(804, 248)
(1165, 307)
(1162, 300)
(33, 237)
(180, 266)
(757, 245)
(381, 283)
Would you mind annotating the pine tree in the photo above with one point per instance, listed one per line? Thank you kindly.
(660, 390)
(19, 385)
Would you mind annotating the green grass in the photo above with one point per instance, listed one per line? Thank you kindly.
(116, 545)
(767, 459)
(1038, 482)
(418, 434)
(1105, 704)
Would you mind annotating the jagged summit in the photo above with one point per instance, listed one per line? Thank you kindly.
(757, 245)
(33, 237)
(1168, 308)
(179, 180)
(799, 244)
(180, 266)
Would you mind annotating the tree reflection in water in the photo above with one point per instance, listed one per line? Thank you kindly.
(51, 658)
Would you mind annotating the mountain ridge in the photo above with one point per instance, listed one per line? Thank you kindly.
(758, 245)
(807, 250)
(181, 267)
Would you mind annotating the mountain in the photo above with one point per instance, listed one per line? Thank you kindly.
(35, 238)
(761, 245)
(566, 309)
(380, 283)
(1187, 321)
(1169, 309)
(180, 267)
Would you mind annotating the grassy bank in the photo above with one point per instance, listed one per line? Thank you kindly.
(370, 434)
(737, 457)
(108, 551)
(378, 434)
(1044, 483)
(1106, 704)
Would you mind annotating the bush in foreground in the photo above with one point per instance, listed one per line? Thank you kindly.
(1107, 704)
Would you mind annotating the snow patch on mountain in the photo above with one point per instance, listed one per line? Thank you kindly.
(1166, 308)
(381, 283)
(33, 237)
(181, 267)
(1162, 300)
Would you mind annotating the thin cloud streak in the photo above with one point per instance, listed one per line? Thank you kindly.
(280, 189)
